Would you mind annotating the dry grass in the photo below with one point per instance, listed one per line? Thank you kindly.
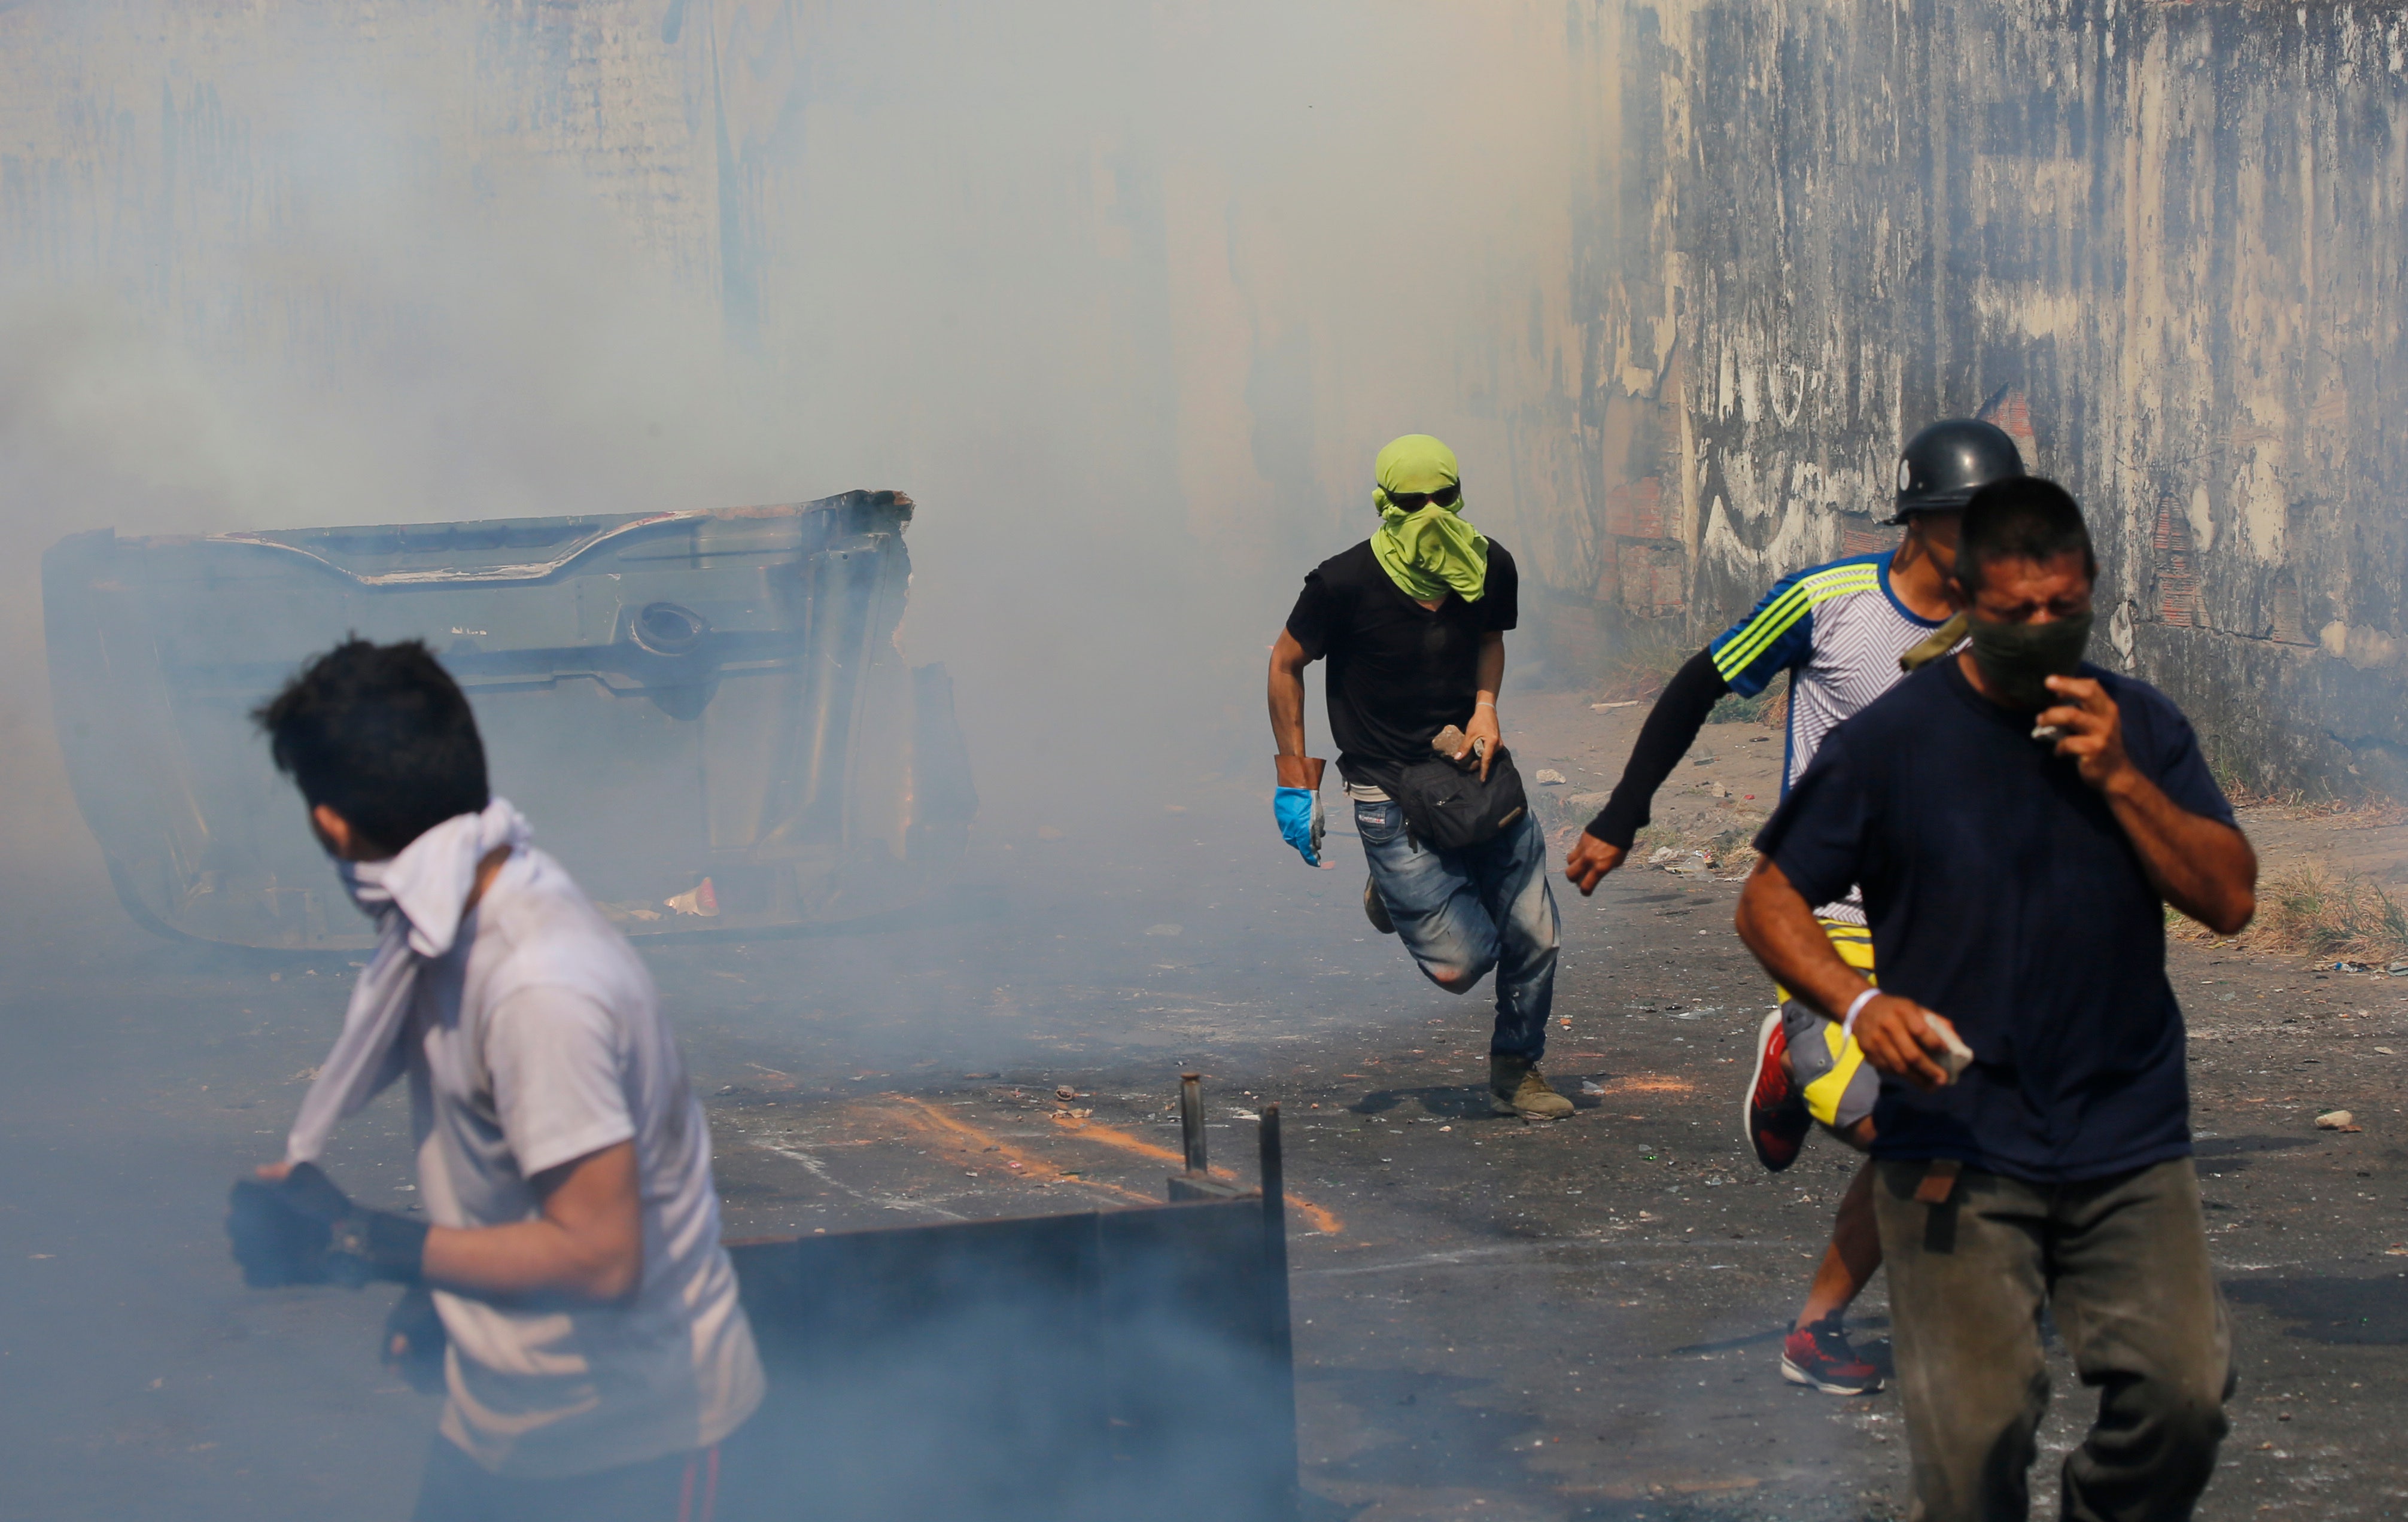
(1770, 707)
(2368, 813)
(1726, 851)
(1640, 668)
(2308, 909)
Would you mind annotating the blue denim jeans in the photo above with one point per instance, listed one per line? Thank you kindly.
(1462, 913)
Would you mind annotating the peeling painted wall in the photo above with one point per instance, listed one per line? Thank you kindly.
(2163, 244)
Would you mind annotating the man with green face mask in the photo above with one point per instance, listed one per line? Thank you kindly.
(1412, 622)
(2018, 820)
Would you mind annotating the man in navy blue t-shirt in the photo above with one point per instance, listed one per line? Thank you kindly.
(2017, 820)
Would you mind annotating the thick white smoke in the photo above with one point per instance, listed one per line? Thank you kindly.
(1125, 298)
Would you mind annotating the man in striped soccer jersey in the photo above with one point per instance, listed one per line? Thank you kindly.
(1844, 632)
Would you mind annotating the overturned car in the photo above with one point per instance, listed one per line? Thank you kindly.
(705, 714)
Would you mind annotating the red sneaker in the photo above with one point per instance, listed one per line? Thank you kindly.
(1775, 1113)
(1821, 1358)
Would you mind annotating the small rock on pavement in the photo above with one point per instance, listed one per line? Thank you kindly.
(1549, 777)
(2337, 1120)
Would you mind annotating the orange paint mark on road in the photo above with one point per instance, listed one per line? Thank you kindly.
(928, 1118)
(1649, 1083)
(934, 1121)
(1322, 1219)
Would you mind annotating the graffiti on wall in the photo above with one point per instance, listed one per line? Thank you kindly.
(2159, 242)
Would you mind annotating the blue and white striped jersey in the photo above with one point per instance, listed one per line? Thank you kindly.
(1838, 630)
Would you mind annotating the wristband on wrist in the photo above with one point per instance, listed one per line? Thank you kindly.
(1857, 1007)
(1482, 702)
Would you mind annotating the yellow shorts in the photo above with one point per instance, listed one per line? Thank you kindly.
(1825, 1061)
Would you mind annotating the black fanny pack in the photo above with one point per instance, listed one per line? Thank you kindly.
(1451, 809)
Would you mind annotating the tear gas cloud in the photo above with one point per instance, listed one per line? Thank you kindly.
(1125, 298)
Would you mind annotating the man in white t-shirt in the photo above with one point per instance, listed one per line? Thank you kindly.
(570, 1246)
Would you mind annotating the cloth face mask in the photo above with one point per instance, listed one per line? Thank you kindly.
(417, 899)
(365, 882)
(1423, 542)
(2017, 658)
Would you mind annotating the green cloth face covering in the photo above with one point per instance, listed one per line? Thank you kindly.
(1429, 552)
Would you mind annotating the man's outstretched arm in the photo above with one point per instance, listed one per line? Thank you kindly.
(1778, 926)
(1288, 662)
(1670, 729)
(2204, 867)
(1295, 803)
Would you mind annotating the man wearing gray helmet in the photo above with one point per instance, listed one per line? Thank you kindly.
(1843, 632)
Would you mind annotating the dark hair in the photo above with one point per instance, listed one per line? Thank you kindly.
(381, 734)
(2021, 519)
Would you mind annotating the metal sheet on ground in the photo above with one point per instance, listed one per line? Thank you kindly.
(1055, 1367)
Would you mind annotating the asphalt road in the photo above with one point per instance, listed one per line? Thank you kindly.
(1494, 1319)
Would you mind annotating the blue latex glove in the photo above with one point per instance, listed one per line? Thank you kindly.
(1300, 822)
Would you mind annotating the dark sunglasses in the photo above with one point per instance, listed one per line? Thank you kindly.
(1414, 501)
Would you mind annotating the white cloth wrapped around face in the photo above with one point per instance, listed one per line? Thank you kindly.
(417, 899)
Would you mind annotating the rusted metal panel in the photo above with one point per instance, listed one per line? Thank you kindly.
(1054, 1368)
(675, 699)
(1066, 1367)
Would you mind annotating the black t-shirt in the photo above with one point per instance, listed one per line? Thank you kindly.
(1399, 672)
(2003, 895)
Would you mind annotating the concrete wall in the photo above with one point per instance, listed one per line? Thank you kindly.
(167, 139)
(2162, 244)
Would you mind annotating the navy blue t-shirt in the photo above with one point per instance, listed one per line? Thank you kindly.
(2003, 895)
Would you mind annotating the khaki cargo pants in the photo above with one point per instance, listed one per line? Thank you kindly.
(2121, 1264)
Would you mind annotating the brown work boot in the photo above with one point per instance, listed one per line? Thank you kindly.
(1514, 1088)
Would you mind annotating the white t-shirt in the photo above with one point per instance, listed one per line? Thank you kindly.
(537, 1040)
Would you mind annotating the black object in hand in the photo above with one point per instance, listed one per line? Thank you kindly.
(275, 1243)
(305, 1230)
(414, 1340)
